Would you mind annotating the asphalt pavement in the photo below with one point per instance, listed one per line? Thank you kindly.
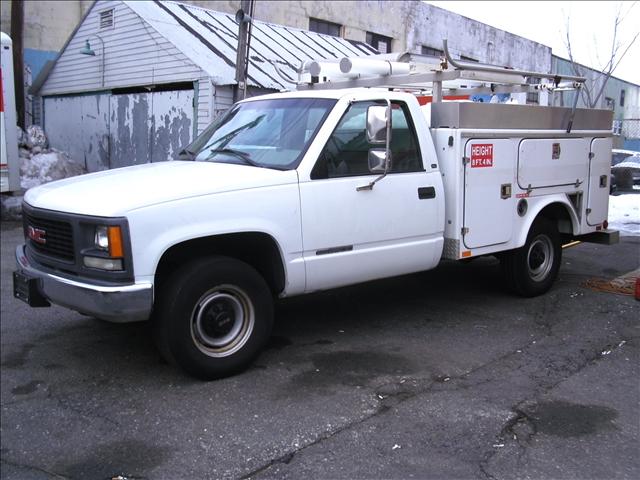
(441, 374)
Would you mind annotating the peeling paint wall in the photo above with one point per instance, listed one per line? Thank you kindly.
(80, 126)
(110, 131)
(149, 127)
(173, 123)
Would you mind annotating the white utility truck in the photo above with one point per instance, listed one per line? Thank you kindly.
(9, 160)
(346, 180)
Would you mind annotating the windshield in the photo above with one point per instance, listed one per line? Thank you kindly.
(261, 133)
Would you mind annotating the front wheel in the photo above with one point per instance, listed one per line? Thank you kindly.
(213, 317)
(532, 269)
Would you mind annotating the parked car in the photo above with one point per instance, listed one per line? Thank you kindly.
(625, 169)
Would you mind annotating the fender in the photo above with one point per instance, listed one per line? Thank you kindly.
(537, 205)
(273, 211)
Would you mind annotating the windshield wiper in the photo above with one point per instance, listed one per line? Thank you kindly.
(237, 153)
(186, 154)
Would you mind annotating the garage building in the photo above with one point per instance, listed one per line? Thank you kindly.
(136, 81)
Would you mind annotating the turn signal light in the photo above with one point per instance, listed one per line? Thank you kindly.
(115, 242)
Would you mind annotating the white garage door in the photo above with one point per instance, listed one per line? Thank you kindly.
(109, 131)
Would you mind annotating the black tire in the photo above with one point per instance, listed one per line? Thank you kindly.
(212, 317)
(531, 270)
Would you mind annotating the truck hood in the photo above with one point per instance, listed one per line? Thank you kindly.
(115, 192)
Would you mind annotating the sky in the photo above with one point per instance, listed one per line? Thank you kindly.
(590, 26)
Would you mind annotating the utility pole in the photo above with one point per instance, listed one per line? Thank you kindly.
(17, 28)
(244, 20)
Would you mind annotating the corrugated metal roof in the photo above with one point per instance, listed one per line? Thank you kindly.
(210, 38)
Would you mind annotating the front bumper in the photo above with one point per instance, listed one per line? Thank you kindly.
(120, 304)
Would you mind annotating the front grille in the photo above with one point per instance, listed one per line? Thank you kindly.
(58, 237)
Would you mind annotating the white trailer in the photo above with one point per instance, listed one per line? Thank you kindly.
(9, 166)
(302, 191)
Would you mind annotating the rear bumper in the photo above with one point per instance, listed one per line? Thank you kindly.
(603, 237)
(120, 304)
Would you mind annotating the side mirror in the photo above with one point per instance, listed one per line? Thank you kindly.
(377, 127)
(377, 160)
(378, 132)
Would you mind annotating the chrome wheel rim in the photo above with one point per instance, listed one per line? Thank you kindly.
(222, 321)
(540, 258)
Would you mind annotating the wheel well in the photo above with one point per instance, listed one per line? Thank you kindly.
(254, 248)
(559, 214)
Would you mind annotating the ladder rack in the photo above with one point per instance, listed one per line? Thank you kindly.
(420, 74)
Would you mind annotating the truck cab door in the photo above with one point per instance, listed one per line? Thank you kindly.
(352, 236)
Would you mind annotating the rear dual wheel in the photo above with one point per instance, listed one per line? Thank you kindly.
(213, 316)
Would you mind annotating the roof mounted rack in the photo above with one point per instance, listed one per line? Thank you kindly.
(421, 74)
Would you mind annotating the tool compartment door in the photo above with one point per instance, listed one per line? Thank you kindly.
(489, 168)
(552, 162)
(599, 179)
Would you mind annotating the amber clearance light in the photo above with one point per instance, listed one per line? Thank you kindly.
(115, 242)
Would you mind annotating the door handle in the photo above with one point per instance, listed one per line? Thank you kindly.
(425, 193)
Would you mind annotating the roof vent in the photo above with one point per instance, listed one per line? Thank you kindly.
(106, 19)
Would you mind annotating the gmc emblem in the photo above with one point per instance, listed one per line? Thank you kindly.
(36, 234)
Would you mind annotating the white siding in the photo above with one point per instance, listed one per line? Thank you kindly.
(205, 100)
(223, 99)
(135, 55)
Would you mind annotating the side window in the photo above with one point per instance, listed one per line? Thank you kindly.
(347, 151)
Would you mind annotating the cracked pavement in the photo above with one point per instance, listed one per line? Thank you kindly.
(441, 374)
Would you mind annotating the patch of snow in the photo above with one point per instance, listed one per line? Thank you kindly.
(633, 164)
(47, 167)
(36, 137)
(624, 214)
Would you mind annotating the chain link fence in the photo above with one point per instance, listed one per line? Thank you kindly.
(628, 131)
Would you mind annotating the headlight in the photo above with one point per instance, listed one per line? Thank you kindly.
(106, 239)
(109, 239)
(102, 238)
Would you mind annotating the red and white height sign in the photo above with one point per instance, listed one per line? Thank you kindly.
(481, 155)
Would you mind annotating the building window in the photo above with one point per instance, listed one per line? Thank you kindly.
(379, 42)
(610, 103)
(622, 98)
(322, 26)
(491, 52)
(468, 59)
(433, 52)
(106, 19)
(533, 97)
